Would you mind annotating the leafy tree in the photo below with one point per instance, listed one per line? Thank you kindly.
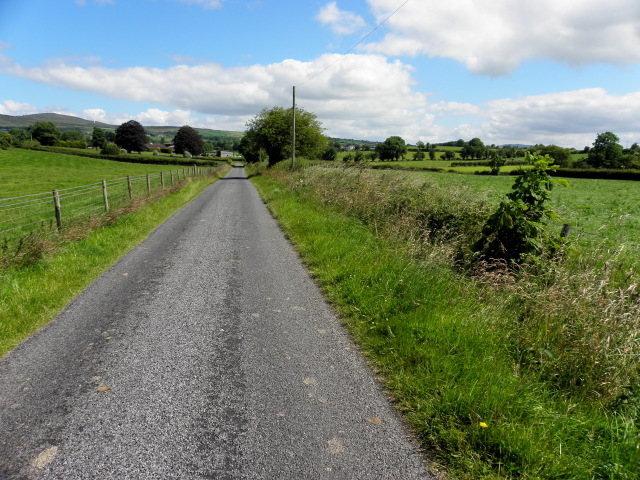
(449, 155)
(419, 155)
(19, 135)
(110, 136)
(271, 130)
(606, 153)
(561, 156)
(474, 149)
(6, 140)
(131, 136)
(517, 228)
(420, 145)
(496, 162)
(98, 138)
(72, 136)
(250, 148)
(187, 139)
(393, 148)
(432, 154)
(330, 154)
(45, 132)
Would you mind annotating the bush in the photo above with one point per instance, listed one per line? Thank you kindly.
(187, 155)
(110, 149)
(517, 228)
(6, 141)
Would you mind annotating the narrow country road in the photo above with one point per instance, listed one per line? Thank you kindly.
(206, 352)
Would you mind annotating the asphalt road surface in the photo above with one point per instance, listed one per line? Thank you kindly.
(206, 352)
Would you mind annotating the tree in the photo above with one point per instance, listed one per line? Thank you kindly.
(73, 136)
(419, 155)
(561, 156)
(271, 131)
(420, 145)
(517, 229)
(45, 132)
(393, 148)
(6, 140)
(98, 138)
(131, 136)
(474, 149)
(606, 153)
(330, 154)
(19, 135)
(187, 139)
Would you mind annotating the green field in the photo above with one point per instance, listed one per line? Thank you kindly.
(599, 211)
(24, 172)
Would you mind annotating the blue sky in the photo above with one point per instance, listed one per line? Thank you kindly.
(506, 71)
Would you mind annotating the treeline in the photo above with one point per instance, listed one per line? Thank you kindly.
(129, 136)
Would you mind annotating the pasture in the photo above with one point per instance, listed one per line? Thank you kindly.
(600, 212)
(24, 172)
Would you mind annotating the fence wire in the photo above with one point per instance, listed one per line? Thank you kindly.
(44, 213)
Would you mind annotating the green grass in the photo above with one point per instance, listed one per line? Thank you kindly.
(32, 295)
(599, 211)
(23, 172)
(444, 346)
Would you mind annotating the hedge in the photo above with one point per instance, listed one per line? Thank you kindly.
(129, 158)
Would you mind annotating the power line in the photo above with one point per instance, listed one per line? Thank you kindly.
(359, 42)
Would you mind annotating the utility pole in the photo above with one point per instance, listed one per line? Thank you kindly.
(293, 141)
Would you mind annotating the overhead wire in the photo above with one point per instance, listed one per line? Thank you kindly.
(356, 45)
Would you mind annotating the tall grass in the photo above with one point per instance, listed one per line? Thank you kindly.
(501, 375)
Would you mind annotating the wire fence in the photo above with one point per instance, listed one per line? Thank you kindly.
(49, 212)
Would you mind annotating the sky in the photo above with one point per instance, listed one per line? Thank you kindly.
(506, 71)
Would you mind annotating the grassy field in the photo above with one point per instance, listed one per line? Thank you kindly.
(527, 376)
(599, 211)
(23, 172)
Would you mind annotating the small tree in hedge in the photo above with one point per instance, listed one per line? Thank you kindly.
(517, 229)
(6, 140)
(110, 149)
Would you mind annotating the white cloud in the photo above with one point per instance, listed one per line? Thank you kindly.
(493, 37)
(357, 96)
(564, 118)
(11, 107)
(340, 21)
(353, 92)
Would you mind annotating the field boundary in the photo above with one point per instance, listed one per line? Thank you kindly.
(49, 211)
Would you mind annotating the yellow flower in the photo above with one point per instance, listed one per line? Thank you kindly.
(483, 425)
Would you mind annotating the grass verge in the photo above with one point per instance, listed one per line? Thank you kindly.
(33, 292)
(445, 350)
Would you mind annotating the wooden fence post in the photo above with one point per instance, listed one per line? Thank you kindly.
(129, 187)
(162, 179)
(171, 173)
(104, 195)
(148, 185)
(56, 203)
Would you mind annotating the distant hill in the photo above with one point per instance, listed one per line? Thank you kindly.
(69, 122)
(63, 122)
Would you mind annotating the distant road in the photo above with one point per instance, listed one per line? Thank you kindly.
(206, 352)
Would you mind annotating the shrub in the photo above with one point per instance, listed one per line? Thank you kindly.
(187, 154)
(517, 228)
(6, 141)
(110, 149)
